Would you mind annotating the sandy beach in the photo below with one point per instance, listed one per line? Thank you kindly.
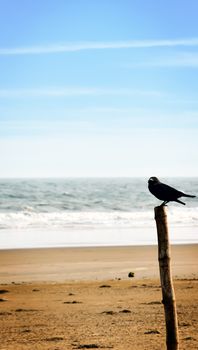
(82, 298)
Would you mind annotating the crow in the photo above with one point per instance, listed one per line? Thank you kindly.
(164, 192)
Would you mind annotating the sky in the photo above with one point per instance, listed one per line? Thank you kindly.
(98, 88)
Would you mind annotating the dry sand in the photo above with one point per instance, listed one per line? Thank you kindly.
(82, 298)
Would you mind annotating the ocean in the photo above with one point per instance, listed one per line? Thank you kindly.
(90, 211)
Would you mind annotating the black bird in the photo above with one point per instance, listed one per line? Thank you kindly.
(164, 192)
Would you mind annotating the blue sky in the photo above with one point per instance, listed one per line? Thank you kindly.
(98, 88)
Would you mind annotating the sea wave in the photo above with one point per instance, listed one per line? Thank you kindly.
(28, 218)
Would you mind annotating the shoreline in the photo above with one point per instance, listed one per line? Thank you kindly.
(92, 237)
(97, 246)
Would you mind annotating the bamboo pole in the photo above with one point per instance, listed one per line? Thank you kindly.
(168, 294)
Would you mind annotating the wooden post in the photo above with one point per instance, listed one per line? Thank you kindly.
(168, 295)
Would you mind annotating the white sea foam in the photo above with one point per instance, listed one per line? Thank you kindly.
(91, 219)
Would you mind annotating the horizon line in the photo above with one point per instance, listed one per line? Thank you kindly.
(90, 177)
(97, 45)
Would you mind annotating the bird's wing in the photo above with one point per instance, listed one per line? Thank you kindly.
(168, 192)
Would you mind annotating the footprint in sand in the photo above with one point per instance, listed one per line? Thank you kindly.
(152, 331)
(54, 339)
(125, 311)
(110, 312)
(72, 302)
(3, 291)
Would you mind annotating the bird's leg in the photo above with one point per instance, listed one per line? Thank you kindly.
(164, 203)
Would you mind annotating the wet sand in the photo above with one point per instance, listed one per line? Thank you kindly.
(82, 298)
(59, 264)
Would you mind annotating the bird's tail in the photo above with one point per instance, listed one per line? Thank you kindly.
(188, 195)
(178, 201)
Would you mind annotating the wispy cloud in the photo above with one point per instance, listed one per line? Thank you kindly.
(74, 91)
(105, 120)
(97, 45)
(179, 60)
(174, 60)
